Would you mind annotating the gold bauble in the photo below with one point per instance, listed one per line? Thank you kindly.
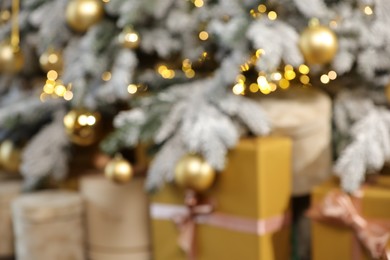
(10, 156)
(119, 170)
(129, 38)
(193, 172)
(11, 58)
(82, 126)
(318, 44)
(51, 60)
(82, 14)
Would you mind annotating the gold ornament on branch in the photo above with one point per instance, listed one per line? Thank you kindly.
(10, 156)
(11, 58)
(129, 38)
(119, 170)
(51, 60)
(318, 44)
(82, 14)
(82, 126)
(193, 172)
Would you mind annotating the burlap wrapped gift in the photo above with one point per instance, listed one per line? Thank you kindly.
(48, 225)
(303, 114)
(9, 190)
(117, 219)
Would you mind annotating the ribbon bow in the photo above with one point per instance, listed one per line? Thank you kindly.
(187, 222)
(337, 207)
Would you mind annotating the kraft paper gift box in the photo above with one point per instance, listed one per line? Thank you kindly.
(252, 193)
(335, 241)
(48, 225)
(116, 218)
(9, 190)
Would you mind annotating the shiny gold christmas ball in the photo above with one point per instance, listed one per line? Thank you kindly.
(10, 156)
(318, 44)
(11, 59)
(119, 170)
(82, 126)
(82, 14)
(129, 38)
(51, 60)
(193, 172)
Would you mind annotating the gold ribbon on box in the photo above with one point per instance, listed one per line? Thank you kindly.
(188, 216)
(339, 208)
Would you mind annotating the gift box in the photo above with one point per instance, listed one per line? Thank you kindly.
(251, 199)
(49, 225)
(344, 236)
(304, 115)
(9, 190)
(117, 219)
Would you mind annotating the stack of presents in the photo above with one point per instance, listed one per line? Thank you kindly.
(249, 212)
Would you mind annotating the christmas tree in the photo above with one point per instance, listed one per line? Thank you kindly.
(181, 75)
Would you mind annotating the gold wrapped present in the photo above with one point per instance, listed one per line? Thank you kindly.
(354, 227)
(249, 211)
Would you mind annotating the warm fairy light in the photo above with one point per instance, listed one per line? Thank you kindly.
(314, 22)
(368, 10)
(82, 120)
(91, 120)
(304, 69)
(325, 79)
(288, 67)
(272, 15)
(198, 3)
(190, 73)
(203, 35)
(332, 75)
(68, 95)
(289, 74)
(304, 79)
(244, 67)
(106, 76)
(240, 78)
(132, 88)
(253, 88)
(238, 89)
(263, 82)
(262, 8)
(48, 88)
(253, 13)
(131, 37)
(276, 76)
(43, 97)
(186, 64)
(161, 69)
(284, 84)
(52, 75)
(52, 58)
(272, 86)
(259, 52)
(60, 90)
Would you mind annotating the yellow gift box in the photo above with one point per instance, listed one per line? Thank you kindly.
(254, 188)
(333, 241)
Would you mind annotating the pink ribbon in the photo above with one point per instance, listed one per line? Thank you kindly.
(186, 218)
(337, 207)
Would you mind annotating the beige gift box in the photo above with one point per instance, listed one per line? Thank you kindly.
(117, 219)
(9, 190)
(48, 225)
(304, 115)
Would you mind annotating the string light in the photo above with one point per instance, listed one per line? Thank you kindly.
(284, 84)
(304, 69)
(368, 10)
(262, 8)
(253, 87)
(203, 35)
(239, 89)
(106, 76)
(304, 79)
(272, 15)
(332, 75)
(325, 79)
(290, 74)
(132, 88)
(198, 3)
(276, 76)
